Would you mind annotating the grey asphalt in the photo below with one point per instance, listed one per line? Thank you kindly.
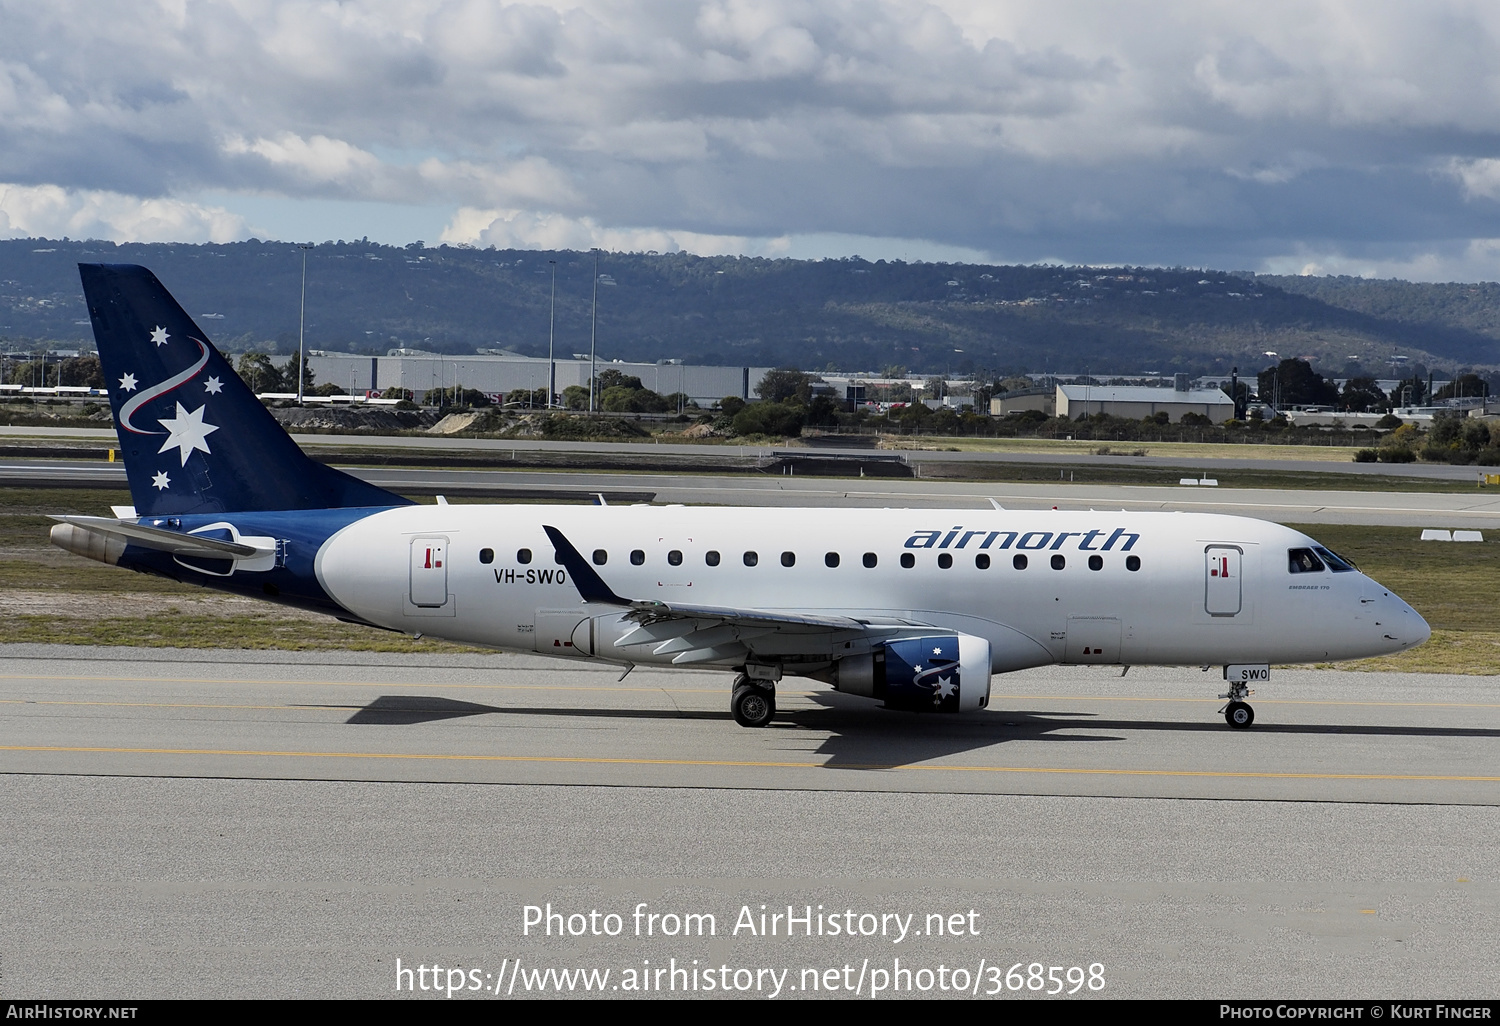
(1228, 461)
(288, 824)
(1480, 509)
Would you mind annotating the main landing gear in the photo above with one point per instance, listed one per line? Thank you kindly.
(1238, 713)
(752, 702)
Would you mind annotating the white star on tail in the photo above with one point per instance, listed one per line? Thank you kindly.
(213, 385)
(186, 432)
(127, 383)
(161, 480)
(159, 336)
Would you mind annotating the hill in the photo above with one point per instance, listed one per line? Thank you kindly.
(849, 313)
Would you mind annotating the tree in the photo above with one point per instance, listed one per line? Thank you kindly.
(769, 419)
(1293, 382)
(1465, 385)
(1411, 391)
(613, 378)
(259, 374)
(784, 383)
(1362, 394)
(81, 372)
(289, 375)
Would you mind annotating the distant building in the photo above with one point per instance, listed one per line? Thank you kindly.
(422, 372)
(1043, 399)
(1135, 403)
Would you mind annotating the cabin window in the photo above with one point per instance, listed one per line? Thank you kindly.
(1303, 561)
(1059, 561)
(1132, 563)
(871, 559)
(637, 557)
(711, 557)
(788, 559)
(945, 560)
(1096, 562)
(831, 559)
(523, 556)
(674, 558)
(600, 557)
(486, 555)
(908, 560)
(1338, 564)
(1019, 562)
(982, 561)
(751, 558)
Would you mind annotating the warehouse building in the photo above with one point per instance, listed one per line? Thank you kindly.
(1136, 403)
(498, 374)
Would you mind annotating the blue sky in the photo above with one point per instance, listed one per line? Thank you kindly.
(1306, 137)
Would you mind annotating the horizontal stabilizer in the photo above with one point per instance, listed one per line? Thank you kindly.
(175, 542)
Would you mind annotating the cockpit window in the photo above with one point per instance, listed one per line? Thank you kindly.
(1303, 561)
(1338, 564)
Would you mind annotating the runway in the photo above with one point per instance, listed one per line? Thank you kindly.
(418, 444)
(276, 824)
(1481, 509)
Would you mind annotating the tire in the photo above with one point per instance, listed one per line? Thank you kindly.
(1239, 715)
(752, 706)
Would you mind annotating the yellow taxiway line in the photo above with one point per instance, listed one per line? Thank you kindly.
(753, 764)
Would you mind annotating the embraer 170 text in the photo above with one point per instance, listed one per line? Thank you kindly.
(915, 608)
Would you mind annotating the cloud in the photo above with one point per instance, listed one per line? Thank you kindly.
(50, 211)
(1471, 260)
(524, 229)
(1177, 132)
(1480, 177)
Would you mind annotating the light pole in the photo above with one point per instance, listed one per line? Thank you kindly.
(593, 332)
(302, 325)
(551, 334)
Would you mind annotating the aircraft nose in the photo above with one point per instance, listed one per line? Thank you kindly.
(1420, 630)
(1409, 629)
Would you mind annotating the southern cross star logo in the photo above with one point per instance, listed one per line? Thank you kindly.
(213, 385)
(128, 383)
(159, 336)
(186, 432)
(161, 480)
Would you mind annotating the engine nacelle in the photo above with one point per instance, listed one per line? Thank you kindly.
(106, 548)
(947, 673)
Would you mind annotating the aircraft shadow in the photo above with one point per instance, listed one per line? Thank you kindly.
(407, 710)
(866, 736)
(862, 735)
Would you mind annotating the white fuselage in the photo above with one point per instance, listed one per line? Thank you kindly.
(1208, 589)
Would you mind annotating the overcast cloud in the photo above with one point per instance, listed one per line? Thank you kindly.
(1342, 137)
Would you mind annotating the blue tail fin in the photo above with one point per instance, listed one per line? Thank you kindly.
(194, 437)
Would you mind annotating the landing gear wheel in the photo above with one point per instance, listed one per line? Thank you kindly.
(1239, 715)
(752, 706)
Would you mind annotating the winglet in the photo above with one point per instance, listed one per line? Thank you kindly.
(591, 587)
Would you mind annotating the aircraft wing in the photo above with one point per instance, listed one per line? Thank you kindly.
(713, 633)
(175, 542)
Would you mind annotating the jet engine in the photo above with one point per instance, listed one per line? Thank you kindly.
(947, 673)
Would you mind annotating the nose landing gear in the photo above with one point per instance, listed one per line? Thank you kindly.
(1238, 713)
(752, 703)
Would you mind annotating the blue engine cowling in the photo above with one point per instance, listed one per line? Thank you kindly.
(948, 673)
